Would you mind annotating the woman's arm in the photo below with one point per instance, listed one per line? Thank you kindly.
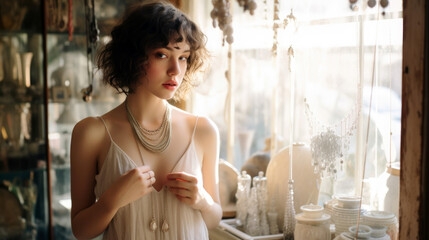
(202, 196)
(90, 218)
(212, 211)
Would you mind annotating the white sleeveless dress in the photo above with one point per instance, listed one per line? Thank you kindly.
(131, 222)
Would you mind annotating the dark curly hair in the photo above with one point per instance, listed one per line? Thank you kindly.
(147, 26)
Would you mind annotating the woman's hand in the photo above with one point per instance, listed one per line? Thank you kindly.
(187, 189)
(133, 185)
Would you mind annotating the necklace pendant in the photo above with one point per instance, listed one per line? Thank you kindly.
(165, 227)
(152, 225)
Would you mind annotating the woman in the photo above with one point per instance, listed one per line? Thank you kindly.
(147, 170)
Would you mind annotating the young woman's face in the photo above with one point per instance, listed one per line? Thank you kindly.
(165, 69)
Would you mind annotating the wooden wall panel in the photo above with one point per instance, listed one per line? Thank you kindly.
(412, 116)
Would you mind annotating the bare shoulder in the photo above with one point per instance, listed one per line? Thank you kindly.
(206, 129)
(206, 126)
(88, 133)
(90, 127)
(207, 134)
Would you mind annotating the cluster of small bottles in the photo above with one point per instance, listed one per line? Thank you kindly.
(252, 215)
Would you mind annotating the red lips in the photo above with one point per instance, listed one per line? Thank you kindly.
(170, 83)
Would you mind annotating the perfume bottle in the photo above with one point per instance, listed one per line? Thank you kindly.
(253, 227)
(289, 218)
(242, 195)
(260, 183)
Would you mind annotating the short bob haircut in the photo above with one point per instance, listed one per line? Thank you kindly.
(145, 27)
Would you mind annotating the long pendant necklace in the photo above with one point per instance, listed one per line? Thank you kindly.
(157, 140)
(153, 226)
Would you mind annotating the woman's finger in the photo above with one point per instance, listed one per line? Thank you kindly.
(143, 168)
(182, 176)
(179, 184)
(180, 192)
(151, 181)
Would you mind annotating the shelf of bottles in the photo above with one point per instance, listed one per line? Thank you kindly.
(23, 158)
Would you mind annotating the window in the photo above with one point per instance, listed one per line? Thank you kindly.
(337, 52)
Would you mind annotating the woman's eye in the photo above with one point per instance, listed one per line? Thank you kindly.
(183, 58)
(160, 55)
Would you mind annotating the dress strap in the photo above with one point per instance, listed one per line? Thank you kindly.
(195, 127)
(105, 126)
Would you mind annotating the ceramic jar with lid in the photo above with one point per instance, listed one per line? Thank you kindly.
(312, 224)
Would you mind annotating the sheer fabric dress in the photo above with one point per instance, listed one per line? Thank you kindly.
(131, 222)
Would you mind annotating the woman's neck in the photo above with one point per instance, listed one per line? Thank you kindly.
(146, 111)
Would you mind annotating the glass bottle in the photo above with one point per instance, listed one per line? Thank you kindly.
(289, 218)
(242, 195)
(260, 183)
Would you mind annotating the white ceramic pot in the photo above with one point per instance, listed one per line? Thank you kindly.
(312, 228)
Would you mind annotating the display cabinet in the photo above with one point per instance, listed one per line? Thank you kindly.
(24, 198)
(70, 74)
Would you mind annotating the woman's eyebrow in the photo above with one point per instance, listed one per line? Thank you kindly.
(178, 48)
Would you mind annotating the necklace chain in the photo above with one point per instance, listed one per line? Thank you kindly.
(153, 226)
(152, 140)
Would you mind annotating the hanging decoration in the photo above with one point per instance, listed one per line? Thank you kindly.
(353, 5)
(92, 37)
(277, 23)
(70, 27)
(371, 3)
(289, 21)
(265, 10)
(289, 218)
(222, 16)
(59, 16)
(384, 4)
(329, 143)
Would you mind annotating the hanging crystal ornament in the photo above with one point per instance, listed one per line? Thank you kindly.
(326, 148)
(253, 220)
(242, 195)
(330, 143)
(260, 182)
(289, 218)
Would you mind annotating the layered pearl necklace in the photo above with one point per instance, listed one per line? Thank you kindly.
(154, 141)
(157, 140)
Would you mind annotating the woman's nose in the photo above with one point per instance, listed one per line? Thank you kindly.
(174, 68)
